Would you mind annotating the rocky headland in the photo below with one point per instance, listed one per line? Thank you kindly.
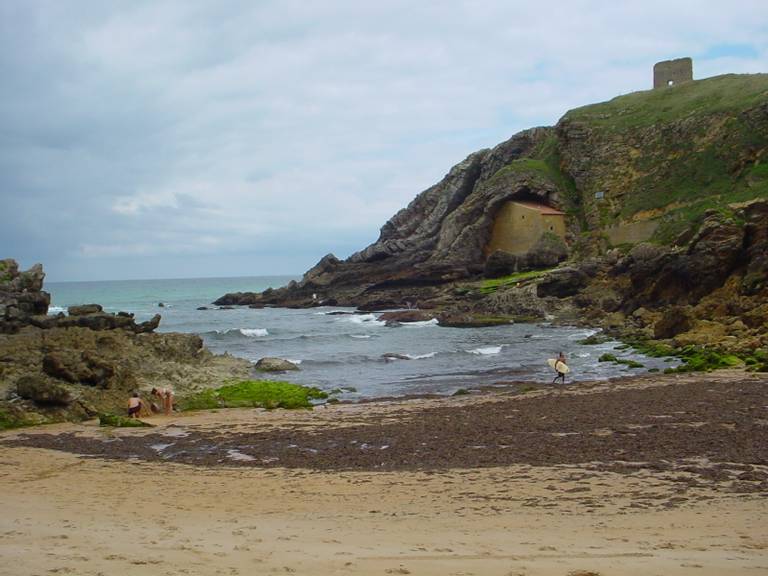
(73, 366)
(665, 202)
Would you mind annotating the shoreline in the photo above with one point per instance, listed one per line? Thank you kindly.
(674, 485)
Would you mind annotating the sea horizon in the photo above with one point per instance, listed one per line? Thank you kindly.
(175, 278)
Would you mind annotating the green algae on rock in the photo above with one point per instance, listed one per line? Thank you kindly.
(254, 394)
(121, 421)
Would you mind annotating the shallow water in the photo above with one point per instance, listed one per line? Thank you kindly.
(347, 350)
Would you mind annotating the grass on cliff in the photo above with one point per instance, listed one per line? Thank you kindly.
(490, 286)
(728, 94)
(253, 394)
(687, 147)
(4, 275)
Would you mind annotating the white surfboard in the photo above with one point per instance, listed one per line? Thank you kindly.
(558, 365)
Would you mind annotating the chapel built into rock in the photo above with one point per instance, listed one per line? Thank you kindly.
(519, 225)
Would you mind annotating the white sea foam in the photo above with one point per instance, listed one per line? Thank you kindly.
(294, 361)
(359, 335)
(364, 319)
(254, 332)
(237, 455)
(421, 324)
(421, 356)
(56, 309)
(486, 350)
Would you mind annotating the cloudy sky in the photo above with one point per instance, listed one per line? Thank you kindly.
(173, 139)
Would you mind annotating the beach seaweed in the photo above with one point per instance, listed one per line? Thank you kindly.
(697, 359)
(9, 420)
(607, 357)
(254, 394)
(121, 421)
(490, 286)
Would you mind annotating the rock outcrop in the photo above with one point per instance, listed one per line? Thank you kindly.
(644, 166)
(68, 367)
(666, 197)
(271, 364)
(21, 295)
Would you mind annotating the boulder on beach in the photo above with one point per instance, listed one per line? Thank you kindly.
(269, 364)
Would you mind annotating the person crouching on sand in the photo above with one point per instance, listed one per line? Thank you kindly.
(166, 395)
(560, 375)
(134, 405)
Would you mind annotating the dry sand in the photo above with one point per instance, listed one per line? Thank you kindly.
(64, 514)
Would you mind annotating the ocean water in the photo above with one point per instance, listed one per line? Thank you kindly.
(337, 348)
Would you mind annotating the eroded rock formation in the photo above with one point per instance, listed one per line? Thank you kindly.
(67, 367)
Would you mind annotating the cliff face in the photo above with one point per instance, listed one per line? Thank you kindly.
(641, 167)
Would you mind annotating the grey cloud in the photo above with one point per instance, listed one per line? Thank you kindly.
(152, 137)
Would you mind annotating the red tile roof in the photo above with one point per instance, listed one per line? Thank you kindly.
(542, 208)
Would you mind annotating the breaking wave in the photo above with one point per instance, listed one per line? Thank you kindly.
(486, 350)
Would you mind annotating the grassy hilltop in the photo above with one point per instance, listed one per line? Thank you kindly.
(667, 154)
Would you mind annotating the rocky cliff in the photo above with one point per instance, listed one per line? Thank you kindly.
(641, 167)
(665, 194)
(72, 366)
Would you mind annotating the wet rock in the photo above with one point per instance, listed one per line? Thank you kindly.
(270, 364)
(85, 309)
(562, 283)
(388, 356)
(43, 391)
(501, 263)
(469, 320)
(83, 368)
(673, 321)
(405, 316)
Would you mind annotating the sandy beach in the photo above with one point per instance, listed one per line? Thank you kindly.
(653, 475)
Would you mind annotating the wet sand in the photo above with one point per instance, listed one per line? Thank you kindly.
(649, 475)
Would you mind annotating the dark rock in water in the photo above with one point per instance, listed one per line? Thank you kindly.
(394, 356)
(468, 320)
(160, 305)
(225, 308)
(42, 391)
(562, 282)
(239, 299)
(674, 321)
(340, 313)
(405, 316)
(256, 306)
(85, 309)
(148, 326)
(269, 364)
(202, 307)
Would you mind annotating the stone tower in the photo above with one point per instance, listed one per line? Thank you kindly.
(672, 72)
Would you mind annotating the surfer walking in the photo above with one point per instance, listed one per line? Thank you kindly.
(561, 367)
